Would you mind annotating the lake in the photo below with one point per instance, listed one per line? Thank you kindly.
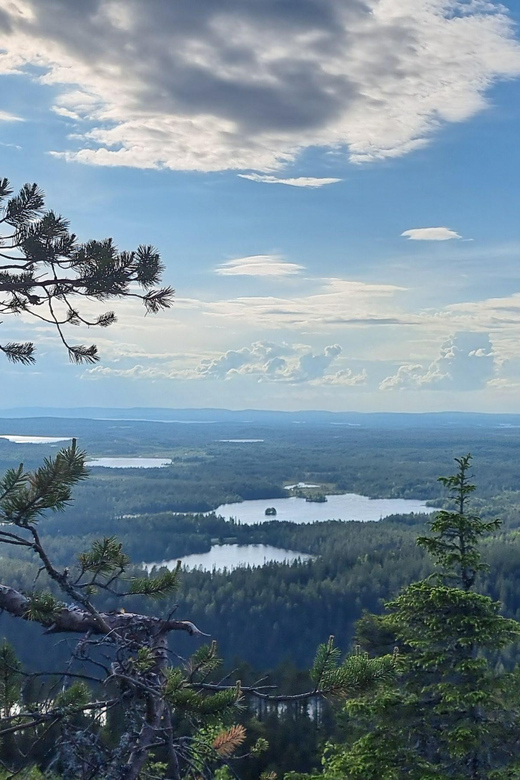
(348, 506)
(242, 441)
(35, 439)
(129, 463)
(233, 556)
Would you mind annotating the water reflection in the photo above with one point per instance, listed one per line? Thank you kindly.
(233, 556)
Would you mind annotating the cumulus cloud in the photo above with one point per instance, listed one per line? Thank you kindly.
(271, 362)
(300, 181)
(312, 366)
(430, 234)
(240, 85)
(264, 361)
(258, 265)
(345, 377)
(466, 362)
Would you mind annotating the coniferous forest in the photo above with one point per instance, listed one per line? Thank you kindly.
(393, 648)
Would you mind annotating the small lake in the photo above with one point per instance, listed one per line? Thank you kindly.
(35, 439)
(242, 441)
(348, 506)
(233, 556)
(130, 463)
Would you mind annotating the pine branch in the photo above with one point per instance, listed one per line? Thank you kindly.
(19, 353)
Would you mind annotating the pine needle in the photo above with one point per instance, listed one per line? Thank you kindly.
(228, 741)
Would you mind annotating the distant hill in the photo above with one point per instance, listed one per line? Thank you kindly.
(265, 417)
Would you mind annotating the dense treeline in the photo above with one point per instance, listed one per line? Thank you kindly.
(279, 611)
(211, 466)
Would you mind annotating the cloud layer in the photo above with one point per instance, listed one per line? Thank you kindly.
(300, 181)
(258, 265)
(329, 302)
(430, 234)
(211, 86)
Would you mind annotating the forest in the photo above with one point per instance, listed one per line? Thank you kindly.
(268, 621)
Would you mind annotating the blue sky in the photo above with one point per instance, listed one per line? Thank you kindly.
(333, 187)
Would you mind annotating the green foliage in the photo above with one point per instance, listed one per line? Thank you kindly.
(203, 662)
(355, 676)
(26, 496)
(163, 584)
(74, 697)
(448, 716)
(145, 660)
(446, 624)
(28, 773)
(10, 678)
(178, 691)
(379, 755)
(456, 534)
(153, 770)
(43, 607)
(104, 557)
(326, 662)
(259, 747)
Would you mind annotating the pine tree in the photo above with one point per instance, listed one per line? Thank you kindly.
(45, 271)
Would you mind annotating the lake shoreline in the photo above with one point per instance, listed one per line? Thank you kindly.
(338, 506)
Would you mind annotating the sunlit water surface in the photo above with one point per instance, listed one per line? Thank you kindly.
(233, 556)
(130, 463)
(348, 506)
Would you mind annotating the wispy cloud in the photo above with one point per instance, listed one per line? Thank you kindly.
(5, 116)
(259, 265)
(249, 86)
(331, 302)
(430, 234)
(300, 181)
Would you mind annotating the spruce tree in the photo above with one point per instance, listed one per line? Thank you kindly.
(449, 715)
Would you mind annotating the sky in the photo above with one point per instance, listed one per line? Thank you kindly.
(333, 186)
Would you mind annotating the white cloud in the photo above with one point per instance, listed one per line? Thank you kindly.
(258, 265)
(311, 366)
(300, 181)
(223, 85)
(488, 313)
(263, 361)
(331, 302)
(345, 377)
(5, 116)
(430, 234)
(466, 362)
(269, 362)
